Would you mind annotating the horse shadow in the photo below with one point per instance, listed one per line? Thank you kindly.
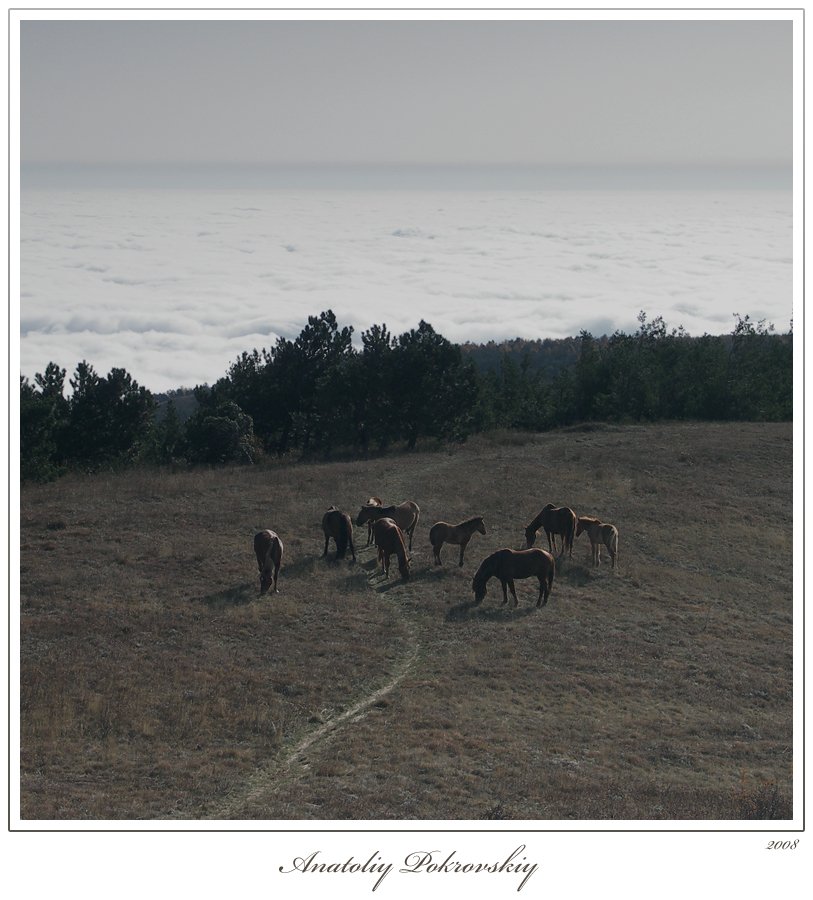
(386, 584)
(469, 611)
(237, 595)
(575, 574)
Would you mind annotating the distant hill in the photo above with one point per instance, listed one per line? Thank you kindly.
(183, 400)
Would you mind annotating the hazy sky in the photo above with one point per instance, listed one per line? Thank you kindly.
(401, 92)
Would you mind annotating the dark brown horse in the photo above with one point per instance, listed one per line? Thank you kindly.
(405, 516)
(337, 525)
(442, 532)
(373, 501)
(508, 564)
(390, 539)
(599, 533)
(555, 520)
(268, 548)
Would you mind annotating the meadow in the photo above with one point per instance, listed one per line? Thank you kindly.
(156, 684)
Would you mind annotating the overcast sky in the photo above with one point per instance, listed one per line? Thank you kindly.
(400, 92)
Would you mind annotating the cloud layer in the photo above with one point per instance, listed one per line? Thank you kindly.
(173, 285)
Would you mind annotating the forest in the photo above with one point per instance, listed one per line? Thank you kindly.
(323, 396)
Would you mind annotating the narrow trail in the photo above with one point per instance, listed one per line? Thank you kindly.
(290, 763)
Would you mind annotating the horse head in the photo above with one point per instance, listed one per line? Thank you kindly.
(530, 536)
(481, 525)
(478, 585)
(266, 580)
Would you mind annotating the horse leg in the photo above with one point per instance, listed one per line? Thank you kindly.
(504, 584)
(462, 551)
(276, 572)
(513, 590)
(542, 584)
(327, 541)
(436, 550)
(352, 548)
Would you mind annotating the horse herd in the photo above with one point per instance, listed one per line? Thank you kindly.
(391, 529)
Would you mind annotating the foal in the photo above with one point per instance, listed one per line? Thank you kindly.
(442, 532)
(599, 533)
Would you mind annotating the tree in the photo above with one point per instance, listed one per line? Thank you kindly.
(109, 419)
(42, 421)
(221, 434)
(434, 388)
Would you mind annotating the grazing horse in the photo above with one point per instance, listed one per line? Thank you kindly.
(268, 548)
(373, 501)
(405, 516)
(555, 520)
(508, 564)
(442, 532)
(337, 525)
(599, 533)
(390, 539)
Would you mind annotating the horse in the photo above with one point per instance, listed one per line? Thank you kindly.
(268, 548)
(508, 564)
(599, 533)
(337, 525)
(390, 539)
(405, 516)
(555, 520)
(373, 501)
(442, 532)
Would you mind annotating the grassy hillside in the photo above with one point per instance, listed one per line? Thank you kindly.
(155, 683)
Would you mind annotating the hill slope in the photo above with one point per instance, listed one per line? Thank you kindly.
(155, 684)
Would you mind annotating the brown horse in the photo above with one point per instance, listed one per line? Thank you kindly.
(442, 532)
(555, 520)
(268, 548)
(390, 539)
(337, 525)
(599, 533)
(373, 501)
(405, 516)
(508, 564)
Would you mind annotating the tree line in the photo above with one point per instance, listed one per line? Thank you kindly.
(320, 395)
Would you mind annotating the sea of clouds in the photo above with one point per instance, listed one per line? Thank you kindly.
(174, 284)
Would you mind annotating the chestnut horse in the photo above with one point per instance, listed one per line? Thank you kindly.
(555, 520)
(390, 539)
(599, 533)
(337, 525)
(508, 564)
(268, 548)
(442, 532)
(405, 516)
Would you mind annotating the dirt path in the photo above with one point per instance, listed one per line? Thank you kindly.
(291, 762)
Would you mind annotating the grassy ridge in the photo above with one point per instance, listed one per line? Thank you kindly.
(155, 684)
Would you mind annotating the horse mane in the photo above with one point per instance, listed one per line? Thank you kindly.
(470, 520)
(537, 520)
(485, 571)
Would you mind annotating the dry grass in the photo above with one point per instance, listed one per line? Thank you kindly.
(155, 684)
